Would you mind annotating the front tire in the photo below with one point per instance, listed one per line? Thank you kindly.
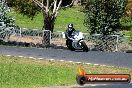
(84, 46)
(69, 45)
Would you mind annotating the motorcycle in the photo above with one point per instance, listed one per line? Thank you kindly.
(77, 42)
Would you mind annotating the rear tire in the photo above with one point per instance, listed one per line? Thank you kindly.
(84, 46)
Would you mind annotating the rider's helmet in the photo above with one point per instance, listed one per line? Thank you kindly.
(70, 25)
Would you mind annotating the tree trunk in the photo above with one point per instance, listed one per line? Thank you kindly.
(49, 22)
(48, 28)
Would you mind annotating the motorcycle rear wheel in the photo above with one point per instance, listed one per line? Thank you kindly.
(84, 46)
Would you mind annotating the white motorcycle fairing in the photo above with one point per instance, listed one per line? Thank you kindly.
(78, 38)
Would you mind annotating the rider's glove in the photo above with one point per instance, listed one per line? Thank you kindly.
(71, 39)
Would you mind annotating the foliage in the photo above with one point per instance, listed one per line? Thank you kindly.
(28, 7)
(126, 23)
(7, 20)
(7, 23)
(102, 16)
(126, 20)
(25, 7)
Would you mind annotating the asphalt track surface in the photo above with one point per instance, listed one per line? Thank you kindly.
(95, 57)
(97, 86)
(105, 86)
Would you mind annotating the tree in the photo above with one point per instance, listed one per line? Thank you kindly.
(7, 20)
(49, 9)
(7, 23)
(102, 16)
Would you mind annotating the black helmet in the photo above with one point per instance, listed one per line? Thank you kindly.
(70, 25)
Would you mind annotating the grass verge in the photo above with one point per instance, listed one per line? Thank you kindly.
(32, 73)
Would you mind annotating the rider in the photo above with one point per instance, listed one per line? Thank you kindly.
(69, 32)
(68, 35)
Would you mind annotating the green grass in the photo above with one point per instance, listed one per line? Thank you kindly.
(26, 22)
(70, 15)
(65, 16)
(28, 73)
(126, 21)
(24, 73)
